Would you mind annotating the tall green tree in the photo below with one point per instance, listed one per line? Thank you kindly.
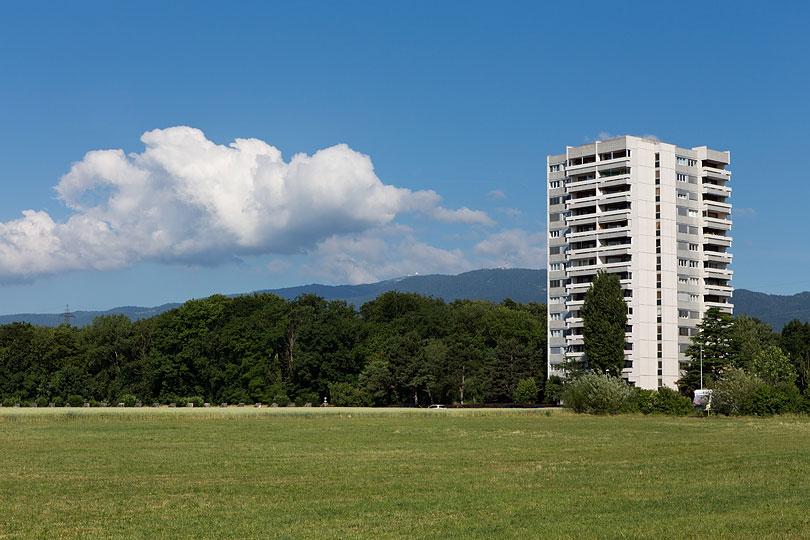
(796, 343)
(720, 350)
(604, 316)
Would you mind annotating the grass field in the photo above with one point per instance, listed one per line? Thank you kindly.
(353, 473)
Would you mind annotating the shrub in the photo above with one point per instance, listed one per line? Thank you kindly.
(41, 401)
(128, 400)
(196, 400)
(306, 397)
(774, 366)
(553, 391)
(526, 391)
(596, 394)
(345, 395)
(780, 398)
(803, 405)
(638, 401)
(170, 398)
(75, 400)
(734, 391)
(282, 399)
(58, 401)
(668, 401)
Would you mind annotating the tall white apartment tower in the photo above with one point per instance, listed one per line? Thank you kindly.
(657, 216)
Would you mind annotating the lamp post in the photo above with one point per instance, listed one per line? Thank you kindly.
(701, 366)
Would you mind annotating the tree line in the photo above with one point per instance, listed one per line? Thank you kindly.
(399, 348)
(750, 368)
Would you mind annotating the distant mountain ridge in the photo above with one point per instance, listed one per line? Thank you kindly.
(495, 285)
(521, 285)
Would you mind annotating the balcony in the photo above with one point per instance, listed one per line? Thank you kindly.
(621, 212)
(581, 220)
(613, 198)
(712, 189)
(620, 249)
(574, 304)
(720, 290)
(718, 256)
(583, 168)
(718, 174)
(573, 186)
(717, 240)
(728, 307)
(582, 253)
(716, 223)
(574, 340)
(616, 265)
(583, 202)
(583, 236)
(716, 206)
(717, 273)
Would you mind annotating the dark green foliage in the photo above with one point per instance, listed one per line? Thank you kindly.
(128, 400)
(773, 366)
(720, 350)
(734, 391)
(662, 401)
(75, 400)
(553, 391)
(604, 315)
(197, 401)
(345, 395)
(596, 393)
(638, 401)
(526, 391)
(669, 402)
(777, 399)
(796, 344)
(398, 348)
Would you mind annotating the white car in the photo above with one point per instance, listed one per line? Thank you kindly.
(436, 407)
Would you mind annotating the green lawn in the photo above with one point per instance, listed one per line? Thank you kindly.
(386, 473)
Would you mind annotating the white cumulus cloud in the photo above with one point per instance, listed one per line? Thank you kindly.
(514, 248)
(185, 199)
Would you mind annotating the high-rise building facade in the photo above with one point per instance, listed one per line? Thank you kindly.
(656, 215)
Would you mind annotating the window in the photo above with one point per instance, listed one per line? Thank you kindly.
(692, 213)
(683, 262)
(683, 314)
(556, 316)
(554, 283)
(555, 168)
(555, 267)
(693, 247)
(680, 160)
(554, 250)
(555, 233)
(557, 350)
(693, 264)
(694, 298)
(554, 200)
(557, 333)
(554, 217)
(556, 300)
(554, 184)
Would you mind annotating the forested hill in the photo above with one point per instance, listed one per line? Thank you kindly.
(521, 285)
(774, 309)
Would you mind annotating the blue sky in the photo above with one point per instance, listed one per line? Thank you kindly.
(454, 104)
